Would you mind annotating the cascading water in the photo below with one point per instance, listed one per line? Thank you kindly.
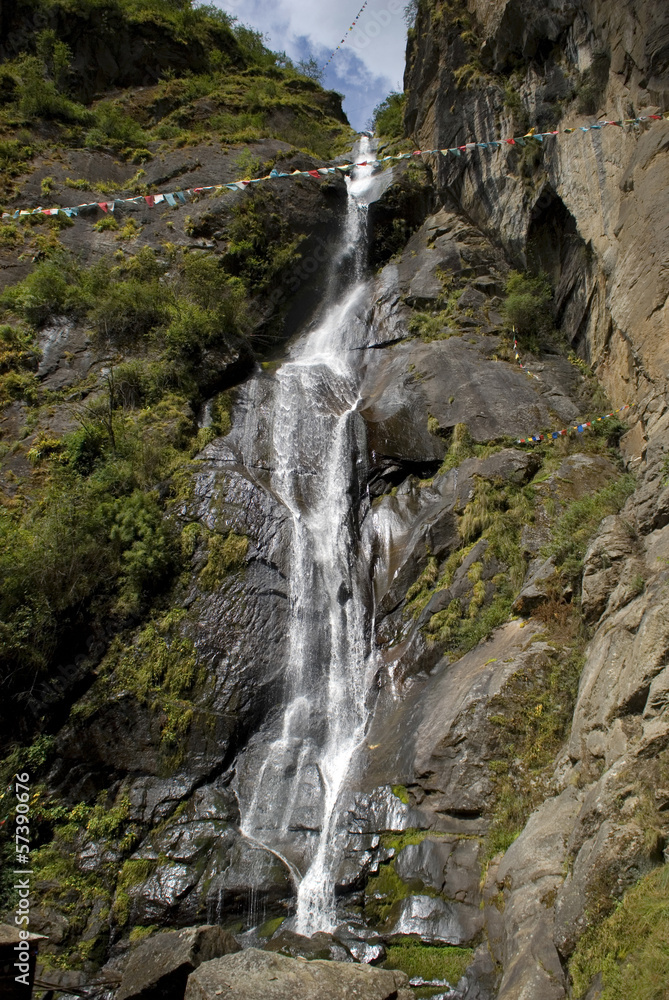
(319, 450)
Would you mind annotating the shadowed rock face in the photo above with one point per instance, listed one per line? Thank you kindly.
(159, 968)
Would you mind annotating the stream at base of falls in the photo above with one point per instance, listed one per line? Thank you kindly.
(291, 782)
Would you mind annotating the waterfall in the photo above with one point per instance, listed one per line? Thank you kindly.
(319, 450)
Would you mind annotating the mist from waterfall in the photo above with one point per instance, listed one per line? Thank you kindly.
(319, 452)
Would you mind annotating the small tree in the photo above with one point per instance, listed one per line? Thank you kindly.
(388, 116)
(529, 304)
(309, 67)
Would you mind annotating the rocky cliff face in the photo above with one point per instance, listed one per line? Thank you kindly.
(513, 783)
(587, 209)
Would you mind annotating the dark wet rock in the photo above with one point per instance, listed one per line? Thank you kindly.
(363, 944)
(63, 979)
(379, 810)
(250, 870)
(260, 975)
(421, 520)
(187, 854)
(447, 864)
(361, 856)
(318, 946)
(437, 740)
(159, 967)
(435, 921)
(406, 200)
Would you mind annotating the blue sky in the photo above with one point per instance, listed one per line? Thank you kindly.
(366, 68)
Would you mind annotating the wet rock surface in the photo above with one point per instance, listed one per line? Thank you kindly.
(159, 967)
(436, 921)
(259, 975)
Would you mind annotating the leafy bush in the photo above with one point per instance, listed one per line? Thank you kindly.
(13, 155)
(113, 127)
(260, 246)
(18, 359)
(39, 97)
(53, 288)
(388, 116)
(528, 304)
(129, 310)
(145, 546)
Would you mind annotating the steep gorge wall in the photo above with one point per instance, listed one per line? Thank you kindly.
(589, 209)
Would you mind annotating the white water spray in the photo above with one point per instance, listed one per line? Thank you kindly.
(319, 449)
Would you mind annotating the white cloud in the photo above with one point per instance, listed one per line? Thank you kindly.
(366, 67)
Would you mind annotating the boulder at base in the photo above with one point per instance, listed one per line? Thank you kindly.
(262, 975)
(159, 967)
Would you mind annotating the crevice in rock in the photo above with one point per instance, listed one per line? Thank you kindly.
(555, 246)
(389, 472)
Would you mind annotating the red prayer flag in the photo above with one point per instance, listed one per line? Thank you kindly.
(149, 199)
(102, 205)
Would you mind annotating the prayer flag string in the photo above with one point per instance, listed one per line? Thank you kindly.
(176, 198)
(573, 429)
(348, 30)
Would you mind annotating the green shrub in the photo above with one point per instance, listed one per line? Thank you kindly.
(528, 304)
(579, 522)
(227, 553)
(113, 127)
(40, 98)
(261, 246)
(55, 55)
(160, 659)
(388, 116)
(146, 547)
(51, 289)
(13, 155)
(129, 310)
(107, 224)
(18, 359)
